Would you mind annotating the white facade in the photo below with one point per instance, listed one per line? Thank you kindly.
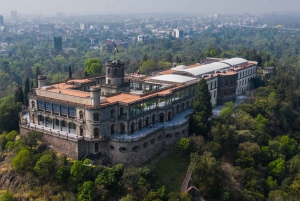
(244, 77)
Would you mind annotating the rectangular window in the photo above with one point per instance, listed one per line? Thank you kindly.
(40, 105)
(211, 85)
(64, 110)
(72, 111)
(214, 94)
(109, 82)
(48, 107)
(226, 82)
(215, 84)
(121, 111)
(55, 108)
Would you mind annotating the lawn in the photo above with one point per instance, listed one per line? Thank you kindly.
(171, 170)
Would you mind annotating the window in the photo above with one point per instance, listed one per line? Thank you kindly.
(108, 71)
(96, 117)
(96, 133)
(121, 111)
(112, 129)
(136, 148)
(123, 149)
(211, 85)
(215, 84)
(225, 92)
(81, 114)
(152, 141)
(40, 105)
(109, 81)
(132, 129)
(168, 136)
(48, 107)
(112, 113)
(64, 110)
(111, 147)
(55, 108)
(226, 82)
(145, 144)
(115, 72)
(96, 147)
(214, 94)
(72, 111)
(32, 104)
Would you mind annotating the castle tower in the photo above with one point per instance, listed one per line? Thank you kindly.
(42, 81)
(115, 72)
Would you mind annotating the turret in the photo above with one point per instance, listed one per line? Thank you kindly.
(42, 81)
(95, 95)
(115, 72)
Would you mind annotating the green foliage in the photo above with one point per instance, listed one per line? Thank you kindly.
(127, 198)
(106, 178)
(10, 137)
(202, 107)
(78, 170)
(62, 174)
(183, 144)
(9, 117)
(276, 168)
(93, 66)
(287, 145)
(86, 192)
(44, 166)
(22, 161)
(6, 196)
(147, 67)
(206, 174)
(271, 183)
(216, 149)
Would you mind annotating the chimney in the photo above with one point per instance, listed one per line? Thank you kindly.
(95, 95)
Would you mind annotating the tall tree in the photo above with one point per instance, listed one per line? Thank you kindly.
(19, 96)
(26, 91)
(93, 66)
(37, 73)
(70, 72)
(202, 107)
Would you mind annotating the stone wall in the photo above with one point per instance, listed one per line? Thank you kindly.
(70, 147)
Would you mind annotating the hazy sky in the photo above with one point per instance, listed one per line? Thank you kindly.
(50, 7)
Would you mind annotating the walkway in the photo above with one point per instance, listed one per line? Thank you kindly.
(186, 180)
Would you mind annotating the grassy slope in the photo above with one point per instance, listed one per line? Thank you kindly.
(171, 170)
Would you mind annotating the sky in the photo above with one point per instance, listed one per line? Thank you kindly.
(98, 7)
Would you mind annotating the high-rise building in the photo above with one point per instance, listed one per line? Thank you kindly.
(179, 33)
(1, 21)
(14, 14)
(85, 26)
(46, 29)
(58, 43)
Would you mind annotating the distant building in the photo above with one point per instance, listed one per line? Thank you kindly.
(84, 27)
(179, 33)
(14, 14)
(1, 21)
(142, 38)
(46, 29)
(58, 43)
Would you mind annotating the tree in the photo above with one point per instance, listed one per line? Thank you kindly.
(22, 161)
(183, 144)
(70, 72)
(37, 73)
(19, 96)
(44, 166)
(127, 198)
(9, 116)
(6, 196)
(145, 57)
(206, 174)
(11, 136)
(147, 67)
(93, 66)
(202, 107)
(78, 170)
(86, 192)
(276, 168)
(26, 91)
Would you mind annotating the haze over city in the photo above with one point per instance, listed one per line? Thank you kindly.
(93, 7)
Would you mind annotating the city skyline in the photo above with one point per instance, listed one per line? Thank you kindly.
(92, 7)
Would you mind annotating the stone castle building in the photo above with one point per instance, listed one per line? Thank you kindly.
(129, 118)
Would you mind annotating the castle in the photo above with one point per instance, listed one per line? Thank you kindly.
(129, 118)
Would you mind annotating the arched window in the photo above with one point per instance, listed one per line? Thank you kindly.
(80, 114)
(147, 122)
(96, 147)
(132, 130)
(115, 72)
(96, 133)
(153, 119)
(112, 129)
(108, 71)
(140, 124)
(169, 116)
(81, 131)
(112, 113)
(122, 128)
(32, 104)
(96, 117)
(161, 117)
